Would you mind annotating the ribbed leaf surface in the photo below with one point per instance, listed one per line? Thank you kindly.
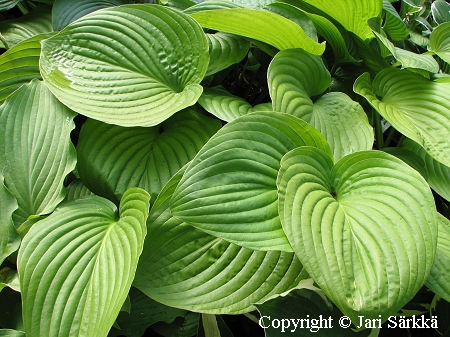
(440, 272)
(438, 175)
(225, 50)
(36, 153)
(293, 77)
(66, 11)
(113, 158)
(7, 4)
(9, 238)
(229, 189)
(76, 189)
(440, 41)
(393, 23)
(24, 27)
(414, 105)
(76, 266)
(184, 267)
(260, 25)
(365, 229)
(440, 11)
(133, 65)
(20, 64)
(353, 15)
(219, 102)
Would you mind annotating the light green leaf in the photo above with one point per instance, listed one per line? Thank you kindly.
(409, 59)
(438, 174)
(66, 11)
(9, 238)
(185, 267)
(11, 333)
(393, 23)
(8, 4)
(440, 272)
(142, 64)
(413, 105)
(36, 153)
(76, 189)
(258, 4)
(293, 77)
(20, 64)
(76, 266)
(211, 4)
(219, 102)
(440, 41)
(113, 158)
(9, 278)
(24, 27)
(409, 157)
(355, 16)
(440, 11)
(365, 229)
(259, 25)
(225, 50)
(229, 189)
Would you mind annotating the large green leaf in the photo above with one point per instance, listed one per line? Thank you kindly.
(24, 27)
(219, 102)
(225, 50)
(440, 41)
(113, 158)
(142, 64)
(365, 229)
(440, 272)
(9, 238)
(76, 266)
(36, 153)
(438, 175)
(259, 25)
(66, 11)
(185, 267)
(293, 77)
(352, 15)
(20, 64)
(229, 189)
(413, 105)
(393, 23)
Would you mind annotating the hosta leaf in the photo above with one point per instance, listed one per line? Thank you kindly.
(219, 102)
(187, 327)
(185, 267)
(253, 3)
(409, 157)
(225, 50)
(438, 174)
(393, 23)
(413, 105)
(229, 189)
(11, 333)
(365, 229)
(440, 272)
(293, 77)
(8, 4)
(76, 266)
(142, 64)
(76, 189)
(440, 41)
(20, 64)
(24, 27)
(113, 158)
(211, 4)
(9, 238)
(36, 153)
(409, 59)
(66, 11)
(440, 11)
(259, 25)
(9, 278)
(355, 16)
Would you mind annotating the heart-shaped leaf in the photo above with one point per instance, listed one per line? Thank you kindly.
(415, 106)
(259, 25)
(293, 77)
(229, 189)
(142, 64)
(113, 158)
(440, 41)
(440, 272)
(365, 229)
(9, 238)
(76, 266)
(36, 153)
(185, 267)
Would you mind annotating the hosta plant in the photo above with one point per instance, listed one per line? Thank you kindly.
(176, 166)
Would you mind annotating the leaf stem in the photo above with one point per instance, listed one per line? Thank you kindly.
(389, 137)
(378, 130)
(23, 7)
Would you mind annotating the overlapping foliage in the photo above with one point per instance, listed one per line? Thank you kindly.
(185, 160)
